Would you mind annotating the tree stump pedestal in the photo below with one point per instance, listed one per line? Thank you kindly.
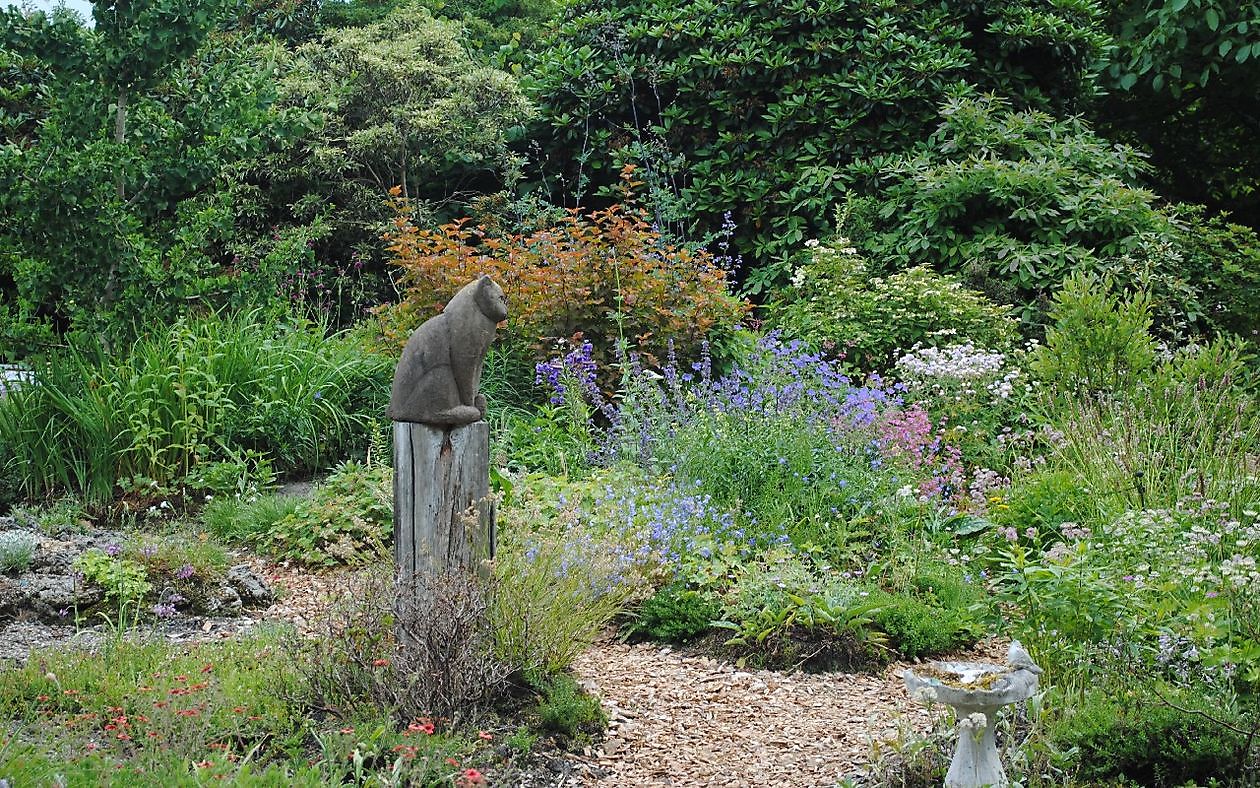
(443, 513)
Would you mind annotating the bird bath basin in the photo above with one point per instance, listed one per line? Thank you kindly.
(975, 690)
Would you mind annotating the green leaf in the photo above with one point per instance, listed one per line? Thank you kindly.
(1213, 19)
(972, 524)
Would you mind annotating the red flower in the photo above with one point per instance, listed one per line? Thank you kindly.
(207, 668)
(41, 697)
(123, 737)
(485, 735)
(379, 663)
(347, 730)
(471, 777)
(422, 726)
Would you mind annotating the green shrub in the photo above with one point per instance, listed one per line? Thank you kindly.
(564, 708)
(1133, 734)
(1045, 500)
(836, 302)
(17, 548)
(348, 518)
(1017, 201)
(784, 615)
(398, 99)
(750, 111)
(1099, 343)
(916, 628)
(1225, 361)
(246, 475)
(674, 613)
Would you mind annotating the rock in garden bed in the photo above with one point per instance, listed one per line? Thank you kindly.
(85, 574)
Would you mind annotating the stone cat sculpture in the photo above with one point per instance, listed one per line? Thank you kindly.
(438, 378)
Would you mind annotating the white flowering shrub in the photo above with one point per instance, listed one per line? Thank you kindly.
(837, 304)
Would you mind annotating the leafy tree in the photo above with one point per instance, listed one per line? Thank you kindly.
(1185, 85)
(755, 107)
(402, 103)
(113, 225)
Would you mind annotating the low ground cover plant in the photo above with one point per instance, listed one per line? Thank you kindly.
(151, 714)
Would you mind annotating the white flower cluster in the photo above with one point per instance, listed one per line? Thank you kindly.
(1240, 572)
(955, 362)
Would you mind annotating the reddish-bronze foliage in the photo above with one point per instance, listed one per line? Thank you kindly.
(605, 275)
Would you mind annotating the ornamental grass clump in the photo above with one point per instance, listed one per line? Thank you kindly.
(553, 595)
(201, 390)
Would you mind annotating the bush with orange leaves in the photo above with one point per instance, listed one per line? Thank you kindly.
(603, 276)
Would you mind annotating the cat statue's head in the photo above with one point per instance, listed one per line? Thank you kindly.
(491, 300)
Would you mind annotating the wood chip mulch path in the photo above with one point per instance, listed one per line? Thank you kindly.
(682, 719)
(678, 719)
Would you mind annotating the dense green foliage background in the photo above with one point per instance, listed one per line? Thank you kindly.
(242, 156)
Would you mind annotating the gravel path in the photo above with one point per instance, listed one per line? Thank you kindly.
(678, 719)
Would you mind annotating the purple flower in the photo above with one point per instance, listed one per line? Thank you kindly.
(112, 549)
(184, 572)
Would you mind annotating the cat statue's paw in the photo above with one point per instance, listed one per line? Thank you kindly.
(460, 414)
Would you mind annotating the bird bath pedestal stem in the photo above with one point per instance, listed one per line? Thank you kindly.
(976, 760)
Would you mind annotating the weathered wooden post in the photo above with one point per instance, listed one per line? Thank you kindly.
(443, 513)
